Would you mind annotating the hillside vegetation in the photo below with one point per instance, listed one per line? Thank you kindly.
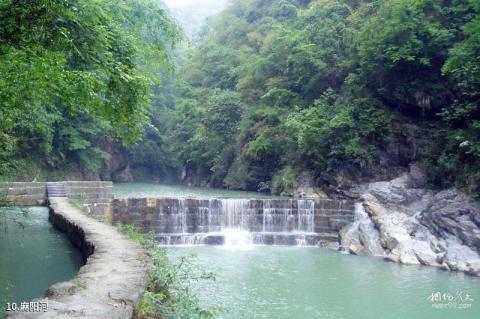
(274, 88)
(278, 87)
(76, 76)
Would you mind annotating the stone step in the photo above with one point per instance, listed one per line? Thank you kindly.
(56, 190)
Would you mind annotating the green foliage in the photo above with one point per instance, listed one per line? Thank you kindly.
(322, 80)
(455, 157)
(402, 47)
(273, 88)
(168, 294)
(75, 74)
(463, 67)
(210, 124)
(331, 133)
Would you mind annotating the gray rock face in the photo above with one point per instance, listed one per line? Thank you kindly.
(451, 213)
(414, 225)
(304, 187)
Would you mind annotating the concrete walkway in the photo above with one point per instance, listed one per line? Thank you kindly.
(109, 284)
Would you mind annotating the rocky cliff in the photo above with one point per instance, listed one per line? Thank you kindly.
(404, 221)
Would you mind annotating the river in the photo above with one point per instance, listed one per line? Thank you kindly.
(33, 255)
(306, 283)
(155, 190)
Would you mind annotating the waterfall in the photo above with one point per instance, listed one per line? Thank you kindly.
(363, 233)
(306, 214)
(237, 239)
(235, 213)
(233, 222)
(267, 215)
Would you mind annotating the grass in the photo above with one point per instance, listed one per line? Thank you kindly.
(168, 294)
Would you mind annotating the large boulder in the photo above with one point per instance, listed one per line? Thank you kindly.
(415, 225)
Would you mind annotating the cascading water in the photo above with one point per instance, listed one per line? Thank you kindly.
(237, 239)
(306, 214)
(237, 222)
(267, 219)
(363, 232)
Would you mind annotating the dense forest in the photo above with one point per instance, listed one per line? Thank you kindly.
(76, 79)
(346, 90)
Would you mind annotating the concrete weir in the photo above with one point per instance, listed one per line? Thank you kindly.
(191, 221)
(111, 281)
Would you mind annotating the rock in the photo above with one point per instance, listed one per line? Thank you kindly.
(388, 242)
(461, 257)
(451, 212)
(425, 255)
(304, 187)
(356, 249)
(415, 225)
(474, 268)
(392, 258)
(349, 236)
(417, 176)
(61, 289)
(332, 245)
(122, 174)
(361, 237)
(409, 259)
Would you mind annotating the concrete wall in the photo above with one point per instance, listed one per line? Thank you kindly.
(93, 197)
(164, 215)
(23, 193)
(332, 215)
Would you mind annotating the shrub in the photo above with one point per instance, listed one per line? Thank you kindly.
(168, 294)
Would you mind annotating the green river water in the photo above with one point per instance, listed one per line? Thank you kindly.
(306, 283)
(155, 190)
(33, 255)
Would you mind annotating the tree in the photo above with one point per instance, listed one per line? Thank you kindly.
(65, 62)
